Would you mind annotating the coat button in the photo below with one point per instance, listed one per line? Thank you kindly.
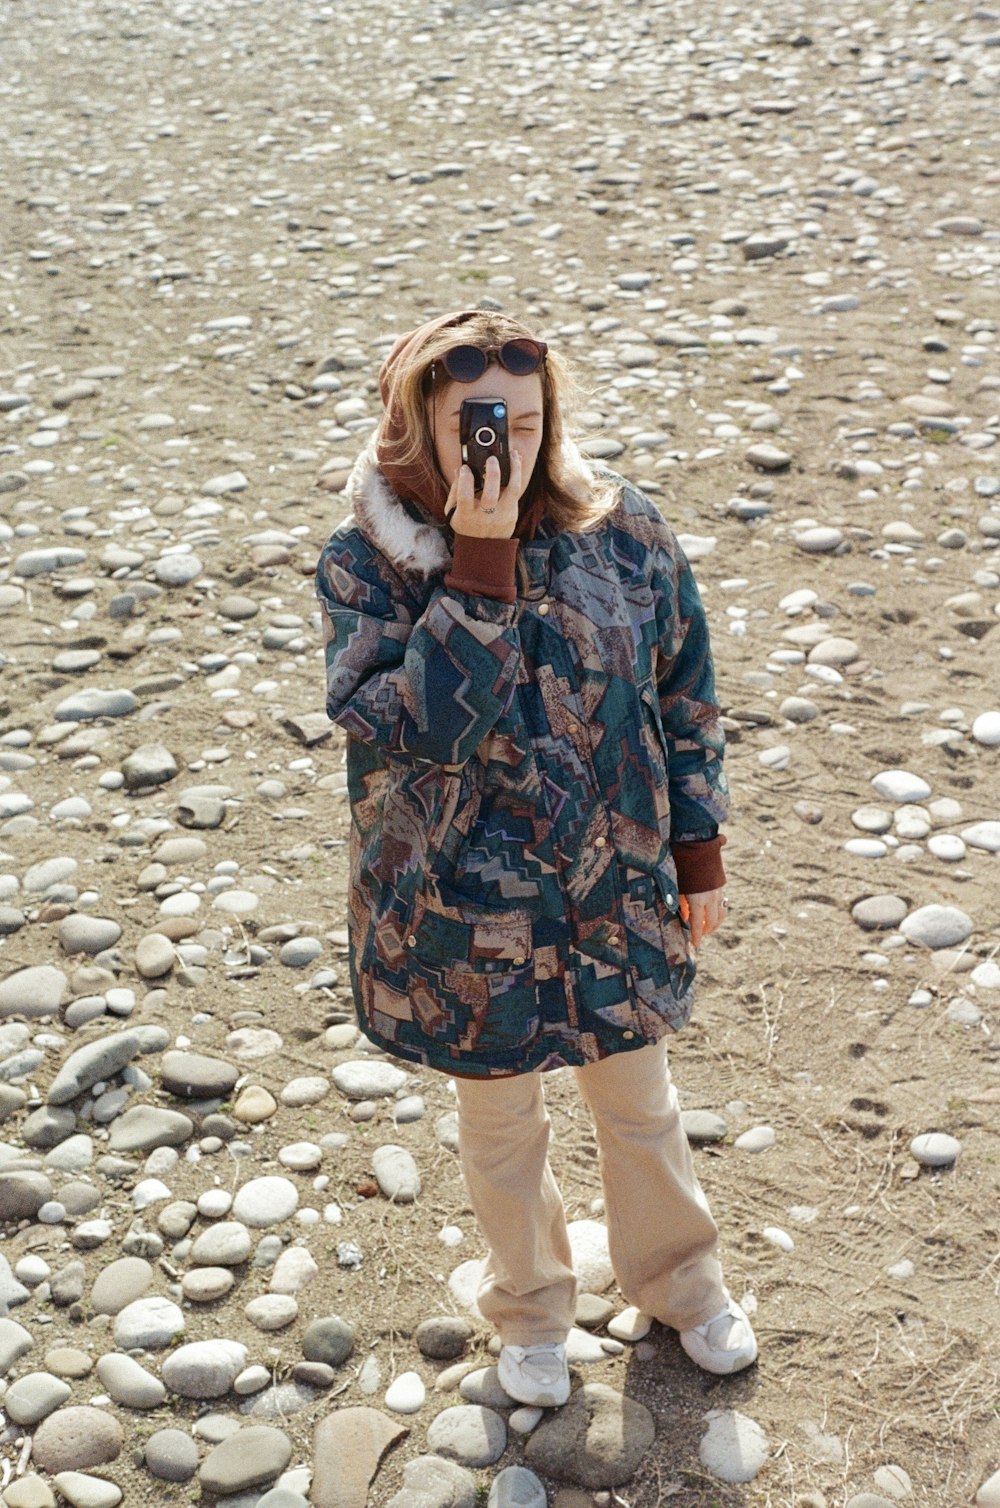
(628, 1036)
(600, 842)
(614, 939)
(518, 961)
(411, 942)
(572, 727)
(543, 608)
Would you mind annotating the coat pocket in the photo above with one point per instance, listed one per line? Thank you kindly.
(471, 941)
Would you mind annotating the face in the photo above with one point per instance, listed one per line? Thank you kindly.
(523, 396)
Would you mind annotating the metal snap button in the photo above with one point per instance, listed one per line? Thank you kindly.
(572, 727)
(411, 942)
(600, 842)
(518, 961)
(614, 939)
(628, 1036)
(543, 608)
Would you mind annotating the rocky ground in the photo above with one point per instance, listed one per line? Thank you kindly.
(769, 240)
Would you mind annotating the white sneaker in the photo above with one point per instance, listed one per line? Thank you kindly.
(535, 1374)
(725, 1343)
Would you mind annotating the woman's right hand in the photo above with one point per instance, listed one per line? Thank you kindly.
(492, 513)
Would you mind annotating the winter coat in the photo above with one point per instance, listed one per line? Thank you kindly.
(521, 777)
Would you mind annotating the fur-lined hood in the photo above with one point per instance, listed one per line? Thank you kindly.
(413, 546)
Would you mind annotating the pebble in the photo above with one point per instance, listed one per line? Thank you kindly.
(396, 1173)
(934, 1149)
(83, 1491)
(33, 1397)
(901, 786)
(329, 1339)
(516, 1487)
(203, 1369)
(937, 926)
(128, 1383)
(171, 1455)
(757, 1139)
(367, 1081)
(471, 1435)
(227, 1244)
(406, 1394)
(76, 1439)
(148, 1324)
(265, 1201)
(252, 1457)
(442, 1337)
(121, 1283)
(733, 1448)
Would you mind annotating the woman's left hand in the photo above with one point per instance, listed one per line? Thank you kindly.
(706, 912)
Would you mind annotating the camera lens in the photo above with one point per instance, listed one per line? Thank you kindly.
(485, 436)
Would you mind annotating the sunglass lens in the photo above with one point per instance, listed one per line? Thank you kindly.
(465, 363)
(520, 357)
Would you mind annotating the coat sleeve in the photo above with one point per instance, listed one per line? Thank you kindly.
(699, 793)
(428, 686)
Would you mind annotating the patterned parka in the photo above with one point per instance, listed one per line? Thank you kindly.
(525, 779)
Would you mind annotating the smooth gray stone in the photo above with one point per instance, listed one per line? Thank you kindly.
(484, 1387)
(11, 1101)
(279, 1401)
(85, 706)
(71, 1156)
(937, 926)
(442, 1337)
(879, 913)
(432, 1482)
(32, 992)
(367, 1081)
(128, 1383)
(144, 1127)
(171, 1455)
(11, 920)
(250, 1458)
(76, 1439)
(596, 1440)
(196, 1076)
(29, 1400)
(703, 1126)
(300, 952)
(469, 1434)
(265, 1201)
(226, 1244)
(329, 1340)
(149, 1324)
(149, 766)
(517, 1487)
(94, 1062)
(177, 570)
(120, 1284)
(15, 1342)
(88, 934)
(11, 1291)
(22, 1196)
(47, 1127)
(42, 562)
(67, 1285)
(20, 1064)
(204, 1368)
(396, 1173)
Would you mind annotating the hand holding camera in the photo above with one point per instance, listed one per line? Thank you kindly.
(484, 496)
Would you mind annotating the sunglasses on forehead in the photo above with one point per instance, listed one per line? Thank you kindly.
(520, 356)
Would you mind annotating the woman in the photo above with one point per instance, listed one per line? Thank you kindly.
(535, 773)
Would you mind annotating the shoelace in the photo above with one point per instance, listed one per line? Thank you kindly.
(720, 1330)
(543, 1362)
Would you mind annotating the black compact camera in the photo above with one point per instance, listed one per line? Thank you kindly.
(482, 430)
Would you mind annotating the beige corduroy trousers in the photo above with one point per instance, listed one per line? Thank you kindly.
(662, 1238)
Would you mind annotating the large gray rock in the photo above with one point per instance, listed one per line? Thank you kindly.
(149, 766)
(149, 1324)
(76, 1439)
(195, 1076)
(432, 1482)
(32, 992)
(249, 1458)
(93, 1062)
(204, 1368)
(596, 1440)
(937, 926)
(147, 1126)
(120, 1284)
(22, 1196)
(468, 1434)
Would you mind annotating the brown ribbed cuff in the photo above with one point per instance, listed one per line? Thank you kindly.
(484, 567)
(699, 865)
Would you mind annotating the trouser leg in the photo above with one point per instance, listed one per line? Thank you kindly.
(528, 1289)
(662, 1237)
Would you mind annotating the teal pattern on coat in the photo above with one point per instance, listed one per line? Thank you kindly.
(516, 774)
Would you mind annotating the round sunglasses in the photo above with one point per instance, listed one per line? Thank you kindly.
(520, 356)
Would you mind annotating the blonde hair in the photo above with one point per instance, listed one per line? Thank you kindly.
(575, 497)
